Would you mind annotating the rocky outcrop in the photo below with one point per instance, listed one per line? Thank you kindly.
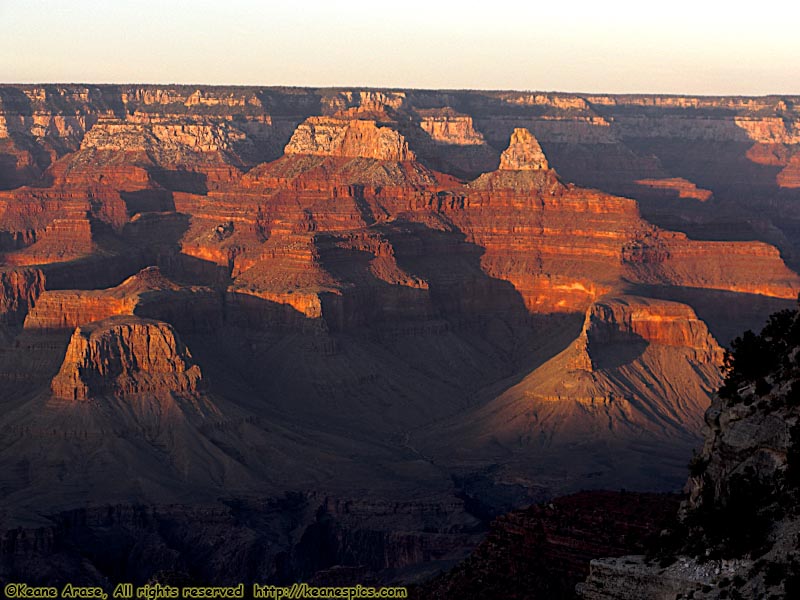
(349, 138)
(148, 293)
(684, 188)
(523, 153)
(450, 127)
(737, 531)
(618, 320)
(19, 291)
(633, 578)
(628, 347)
(125, 356)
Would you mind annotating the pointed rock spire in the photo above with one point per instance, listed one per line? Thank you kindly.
(523, 153)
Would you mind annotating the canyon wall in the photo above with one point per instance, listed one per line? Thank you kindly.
(499, 296)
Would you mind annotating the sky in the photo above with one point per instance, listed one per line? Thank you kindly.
(678, 46)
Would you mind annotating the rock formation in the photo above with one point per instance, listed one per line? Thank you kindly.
(148, 293)
(19, 290)
(621, 320)
(449, 127)
(640, 369)
(684, 188)
(349, 138)
(523, 153)
(125, 356)
(737, 531)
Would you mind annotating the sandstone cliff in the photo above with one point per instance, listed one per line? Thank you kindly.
(354, 138)
(125, 356)
(523, 153)
(19, 292)
(447, 126)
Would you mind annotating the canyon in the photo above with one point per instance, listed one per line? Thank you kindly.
(444, 305)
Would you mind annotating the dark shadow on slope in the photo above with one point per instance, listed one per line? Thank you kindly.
(18, 112)
(93, 272)
(459, 287)
(10, 177)
(151, 200)
(287, 108)
(466, 162)
(178, 180)
(364, 209)
(16, 105)
(112, 98)
(148, 239)
(450, 282)
(447, 315)
(620, 352)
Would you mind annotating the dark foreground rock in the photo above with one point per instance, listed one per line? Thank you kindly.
(543, 551)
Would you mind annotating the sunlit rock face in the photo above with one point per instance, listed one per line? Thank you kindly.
(523, 153)
(323, 136)
(125, 356)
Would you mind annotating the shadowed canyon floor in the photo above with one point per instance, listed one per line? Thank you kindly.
(435, 304)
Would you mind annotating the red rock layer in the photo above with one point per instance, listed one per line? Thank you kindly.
(659, 257)
(19, 291)
(43, 225)
(125, 356)
(65, 309)
(684, 188)
(618, 320)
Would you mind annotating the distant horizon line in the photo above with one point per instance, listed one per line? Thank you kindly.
(401, 89)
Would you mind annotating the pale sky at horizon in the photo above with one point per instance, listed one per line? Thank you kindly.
(680, 47)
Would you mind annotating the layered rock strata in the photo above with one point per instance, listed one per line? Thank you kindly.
(125, 356)
(353, 272)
